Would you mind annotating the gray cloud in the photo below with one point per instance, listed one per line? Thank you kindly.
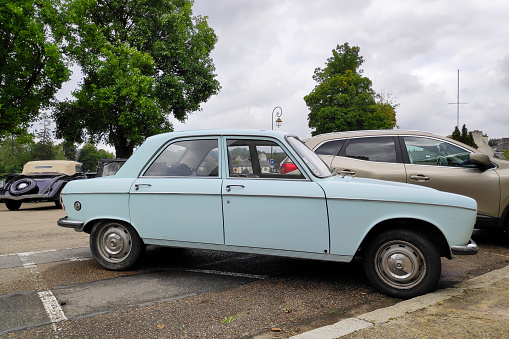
(268, 50)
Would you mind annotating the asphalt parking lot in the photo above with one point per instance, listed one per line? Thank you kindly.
(51, 287)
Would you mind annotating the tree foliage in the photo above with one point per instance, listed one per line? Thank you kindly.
(343, 99)
(143, 60)
(465, 136)
(32, 69)
(14, 153)
(89, 156)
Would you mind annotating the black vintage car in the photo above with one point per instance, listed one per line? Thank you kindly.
(39, 181)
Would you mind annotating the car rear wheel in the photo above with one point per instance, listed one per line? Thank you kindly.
(402, 264)
(115, 245)
(13, 205)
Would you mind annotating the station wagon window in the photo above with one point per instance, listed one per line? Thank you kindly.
(427, 151)
(381, 149)
(260, 159)
(197, 158)
(330, 148)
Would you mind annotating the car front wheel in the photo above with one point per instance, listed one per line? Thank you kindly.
(402, 264)
(115, 245)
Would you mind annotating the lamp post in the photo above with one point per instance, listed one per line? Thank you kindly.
(279, 122)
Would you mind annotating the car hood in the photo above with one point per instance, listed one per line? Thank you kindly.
(347, 187)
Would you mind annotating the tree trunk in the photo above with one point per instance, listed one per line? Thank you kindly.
(124, 150)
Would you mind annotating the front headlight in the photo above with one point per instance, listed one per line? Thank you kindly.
(2, 183)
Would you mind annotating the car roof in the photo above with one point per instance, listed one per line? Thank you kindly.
(147, 149)
(44, 166)
(318, 139)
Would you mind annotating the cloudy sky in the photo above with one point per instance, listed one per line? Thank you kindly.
(267, 52)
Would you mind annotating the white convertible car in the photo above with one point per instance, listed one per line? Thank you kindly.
(266, 192)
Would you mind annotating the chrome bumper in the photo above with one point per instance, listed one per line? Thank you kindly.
(469, 249)
(65, 222)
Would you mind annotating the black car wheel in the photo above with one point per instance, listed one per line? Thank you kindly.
(22, 186)
(13, 205)
(115, 245)
(402, 264)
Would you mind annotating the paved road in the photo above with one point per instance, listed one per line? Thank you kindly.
(50, 287)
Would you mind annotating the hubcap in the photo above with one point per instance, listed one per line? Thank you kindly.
(400, 264)
(114, 243)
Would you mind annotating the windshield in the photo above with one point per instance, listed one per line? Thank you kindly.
(312, 161)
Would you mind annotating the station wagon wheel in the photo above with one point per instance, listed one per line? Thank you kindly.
(115, 245)
(402, 264)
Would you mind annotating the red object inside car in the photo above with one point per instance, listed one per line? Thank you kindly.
(287, 167)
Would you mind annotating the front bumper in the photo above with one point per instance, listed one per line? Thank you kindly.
(469, 249)
(65, 222)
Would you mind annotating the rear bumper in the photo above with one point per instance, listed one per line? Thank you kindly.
(65, 222)
(469, 249)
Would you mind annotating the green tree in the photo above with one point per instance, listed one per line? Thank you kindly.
(31, 65)
(15, 151)
(69, 149)
(44, 148)
(465, 136)
(143, 60)
(343, 99)
(89, 156)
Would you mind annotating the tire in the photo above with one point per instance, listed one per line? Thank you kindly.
(115, 245)
(402, 264)
(22, 186)
(13, 205)
(58, 202)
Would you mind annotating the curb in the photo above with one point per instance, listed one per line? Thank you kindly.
(383, 315)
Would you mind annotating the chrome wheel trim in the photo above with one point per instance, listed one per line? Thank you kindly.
(400, 264)
(114, 243)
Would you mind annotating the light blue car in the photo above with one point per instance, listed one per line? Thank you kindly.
(265, 192)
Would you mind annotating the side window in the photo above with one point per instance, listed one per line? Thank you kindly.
(330, 147)
(381, 149)
(187, 158)
(260, 159)
(427, 151)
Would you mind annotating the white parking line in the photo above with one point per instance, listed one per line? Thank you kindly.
(50, 303)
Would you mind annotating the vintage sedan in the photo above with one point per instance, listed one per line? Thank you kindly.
(41, 180)
(225, 190)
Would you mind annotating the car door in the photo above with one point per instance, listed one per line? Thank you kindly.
(444, 166)
(178, 196)
(371, 157)
(267, 208)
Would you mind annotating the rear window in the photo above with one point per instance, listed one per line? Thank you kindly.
(330, 147)
(381, 149)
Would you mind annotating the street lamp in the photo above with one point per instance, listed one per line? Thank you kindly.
(279, 122)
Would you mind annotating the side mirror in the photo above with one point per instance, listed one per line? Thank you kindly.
(480, 160)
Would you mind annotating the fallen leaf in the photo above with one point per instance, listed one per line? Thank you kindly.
(275, 329)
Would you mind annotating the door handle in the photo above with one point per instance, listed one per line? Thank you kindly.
(229, 187)
(137, 186)
(419, 177)
(348, 172)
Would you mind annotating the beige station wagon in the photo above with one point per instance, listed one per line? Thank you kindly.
(423, 159)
